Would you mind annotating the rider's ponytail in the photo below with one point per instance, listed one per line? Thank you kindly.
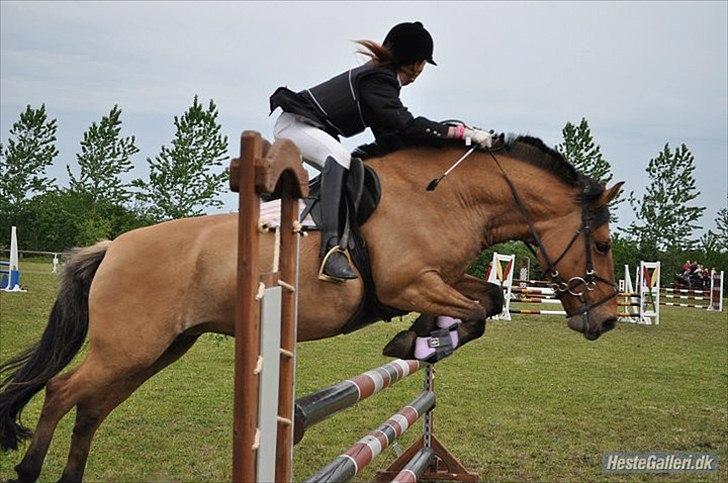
(380, 54)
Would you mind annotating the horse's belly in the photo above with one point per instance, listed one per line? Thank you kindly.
(180, 276)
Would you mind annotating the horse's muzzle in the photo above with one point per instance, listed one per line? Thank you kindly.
(593, 329)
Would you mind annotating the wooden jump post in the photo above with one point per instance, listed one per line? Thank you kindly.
(266, 311)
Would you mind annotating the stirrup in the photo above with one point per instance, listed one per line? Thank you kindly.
(329, 278)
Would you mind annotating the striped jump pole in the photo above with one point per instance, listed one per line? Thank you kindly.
(427, 459)
(435, 462)
(533, 290)
(686, 297)
(322, 404)
(688, 291)
(535, 295)
(348, 464)
(537, 300)
(694, 306)
(556, 301)
(537, 283)
(414, 469)
(538, 312)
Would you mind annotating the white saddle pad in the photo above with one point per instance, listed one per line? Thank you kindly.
(270, 214)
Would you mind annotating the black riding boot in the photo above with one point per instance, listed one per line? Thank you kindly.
(335, 262)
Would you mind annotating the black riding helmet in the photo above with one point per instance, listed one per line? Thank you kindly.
(410, 43)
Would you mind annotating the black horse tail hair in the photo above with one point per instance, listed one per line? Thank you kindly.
(26, 374)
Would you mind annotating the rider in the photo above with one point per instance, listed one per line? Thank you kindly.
(345, 105)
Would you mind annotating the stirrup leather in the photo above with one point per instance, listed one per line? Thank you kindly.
(329, 278)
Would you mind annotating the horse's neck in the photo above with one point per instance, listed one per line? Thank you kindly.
(545, 200)
(470, 210)
(475, 196)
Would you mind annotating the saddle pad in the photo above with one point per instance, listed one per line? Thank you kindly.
(270, 215)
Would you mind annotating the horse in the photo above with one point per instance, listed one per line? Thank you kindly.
(144, 298)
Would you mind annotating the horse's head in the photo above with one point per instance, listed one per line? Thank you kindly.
(565, 215)
(575, 253)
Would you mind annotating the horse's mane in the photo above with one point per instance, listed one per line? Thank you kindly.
(534, 151)
(530, 150)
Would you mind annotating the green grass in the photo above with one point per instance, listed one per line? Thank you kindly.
(531, 400)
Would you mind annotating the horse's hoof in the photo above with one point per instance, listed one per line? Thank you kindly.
(402, 345)
(26, 475)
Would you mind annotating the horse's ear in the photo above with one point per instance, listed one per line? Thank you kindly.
(608, 195)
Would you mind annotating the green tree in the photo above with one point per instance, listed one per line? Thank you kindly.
(665, 214)
(30, 150)
(182, 180)
(721, 223)
(61, 219)
(580, 149)
(104, 157)
(709, 242)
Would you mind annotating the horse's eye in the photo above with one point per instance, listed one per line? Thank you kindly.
(602, 247)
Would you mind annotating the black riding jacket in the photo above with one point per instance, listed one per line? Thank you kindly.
(366, 96)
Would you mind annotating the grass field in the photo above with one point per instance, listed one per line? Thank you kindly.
(531, 400)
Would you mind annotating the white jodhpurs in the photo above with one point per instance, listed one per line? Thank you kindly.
(315, 144)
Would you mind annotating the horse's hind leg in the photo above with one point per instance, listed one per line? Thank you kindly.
(101, 394)
(57, 403)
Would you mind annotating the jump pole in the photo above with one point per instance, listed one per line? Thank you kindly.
(348, 464)
(265, 367)
(324, 403)
(426, 458)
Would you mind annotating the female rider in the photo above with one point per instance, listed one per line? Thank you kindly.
(365, 96)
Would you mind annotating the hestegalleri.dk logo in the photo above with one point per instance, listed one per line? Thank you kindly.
(659, 462)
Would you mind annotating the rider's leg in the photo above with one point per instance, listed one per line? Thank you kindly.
(333, 159)
(335, 262)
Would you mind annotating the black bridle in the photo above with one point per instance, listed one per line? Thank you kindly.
(575, 286)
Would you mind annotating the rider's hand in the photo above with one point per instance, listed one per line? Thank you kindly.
(484, 139)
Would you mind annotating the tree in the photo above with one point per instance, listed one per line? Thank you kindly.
(29, 152)
(182, 182)
(104, 157)
(580, 149)
(721, 222)
(709, 242)
(583, 153)
(61, 219)
(665, 216)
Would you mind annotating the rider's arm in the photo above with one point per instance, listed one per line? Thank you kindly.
(387, 114)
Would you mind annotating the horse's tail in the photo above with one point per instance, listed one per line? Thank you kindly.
(25, 374)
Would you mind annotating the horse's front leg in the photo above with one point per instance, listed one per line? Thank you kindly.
(489, 295)
(486, 300)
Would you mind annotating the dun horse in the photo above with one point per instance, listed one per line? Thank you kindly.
(144, 298)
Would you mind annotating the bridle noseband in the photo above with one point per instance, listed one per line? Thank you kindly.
(588, 282)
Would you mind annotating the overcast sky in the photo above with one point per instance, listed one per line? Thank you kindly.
(643, 74)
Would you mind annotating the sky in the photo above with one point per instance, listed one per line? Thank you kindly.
(643, 74)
